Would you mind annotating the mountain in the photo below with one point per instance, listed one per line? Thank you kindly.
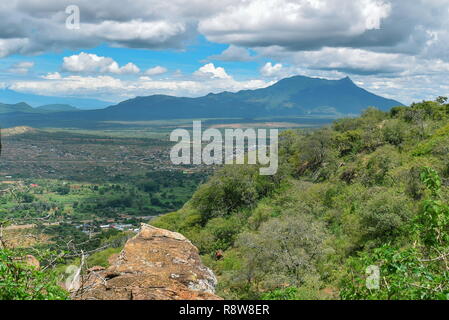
(23, 107)
(18, 107)
(289, 97)
(296, 96)
(10, 96)
(57, 108)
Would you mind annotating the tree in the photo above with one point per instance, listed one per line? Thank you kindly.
(419, 271)
(283, 251)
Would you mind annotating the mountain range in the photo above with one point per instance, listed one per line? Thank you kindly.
(295, 96)
(9, 96)
(23, 107)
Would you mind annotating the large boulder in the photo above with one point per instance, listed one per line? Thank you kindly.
(156, 264)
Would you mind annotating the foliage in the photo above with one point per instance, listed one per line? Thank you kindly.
(366, 191)
(346, 197)
(20, 281)
(417, 272)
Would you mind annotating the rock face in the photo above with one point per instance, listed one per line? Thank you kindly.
(154, 265)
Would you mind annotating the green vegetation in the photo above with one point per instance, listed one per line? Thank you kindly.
(73, 193)
(21, 281)
(367, 191)
(411, 272)
(360, 194)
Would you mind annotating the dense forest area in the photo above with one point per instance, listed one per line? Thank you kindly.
(364, 193)
(367, 193)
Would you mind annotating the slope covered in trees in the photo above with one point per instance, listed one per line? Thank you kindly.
(367, 192)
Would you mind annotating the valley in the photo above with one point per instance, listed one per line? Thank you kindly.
(60, 185)
(79, 190)
(348, 192)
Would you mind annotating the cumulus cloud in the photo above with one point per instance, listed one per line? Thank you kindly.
(91, 63)
(400, 26)
(70, 86)
(356, 61)
(270, 70)
(111, 88)
(132, 23)
(300, 24)
(156, 71)
(210, 71)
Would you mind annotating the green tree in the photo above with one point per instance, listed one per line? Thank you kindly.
(419, 271)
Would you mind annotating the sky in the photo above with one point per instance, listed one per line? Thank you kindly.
(121, 49)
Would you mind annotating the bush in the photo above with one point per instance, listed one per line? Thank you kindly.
(231, 189)
(385, 215)
(379, 165)
(284, 251)
(20, 281)
(395, 132)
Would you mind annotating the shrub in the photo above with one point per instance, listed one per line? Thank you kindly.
(385, 215)
(20, 281)
(284, 250)
(231, 189)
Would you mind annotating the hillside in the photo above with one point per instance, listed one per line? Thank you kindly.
(289, 97)
(57, 108)
(296, 96)
(18, 107)
(367, 191)
(11, 97)
(22, 107)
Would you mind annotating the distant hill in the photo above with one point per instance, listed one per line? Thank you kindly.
(296, 96)
(11, 96)
(18, 107)
(57, 108)
(23, 107)
(289, 97)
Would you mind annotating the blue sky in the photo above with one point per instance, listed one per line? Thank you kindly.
(395, 48)
(187, 60)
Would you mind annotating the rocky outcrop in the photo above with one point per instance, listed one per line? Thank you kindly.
(156, 264)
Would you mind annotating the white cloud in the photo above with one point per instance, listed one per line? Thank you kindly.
(270, 70)
(210, 71)
(21, 67)
(72, 86)
(301, 24)
(380, 25)
(355, 61)
(52, 76)
(113, 89)
(136, 33)
(129, 68)
(156, 71)
(91, 63)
